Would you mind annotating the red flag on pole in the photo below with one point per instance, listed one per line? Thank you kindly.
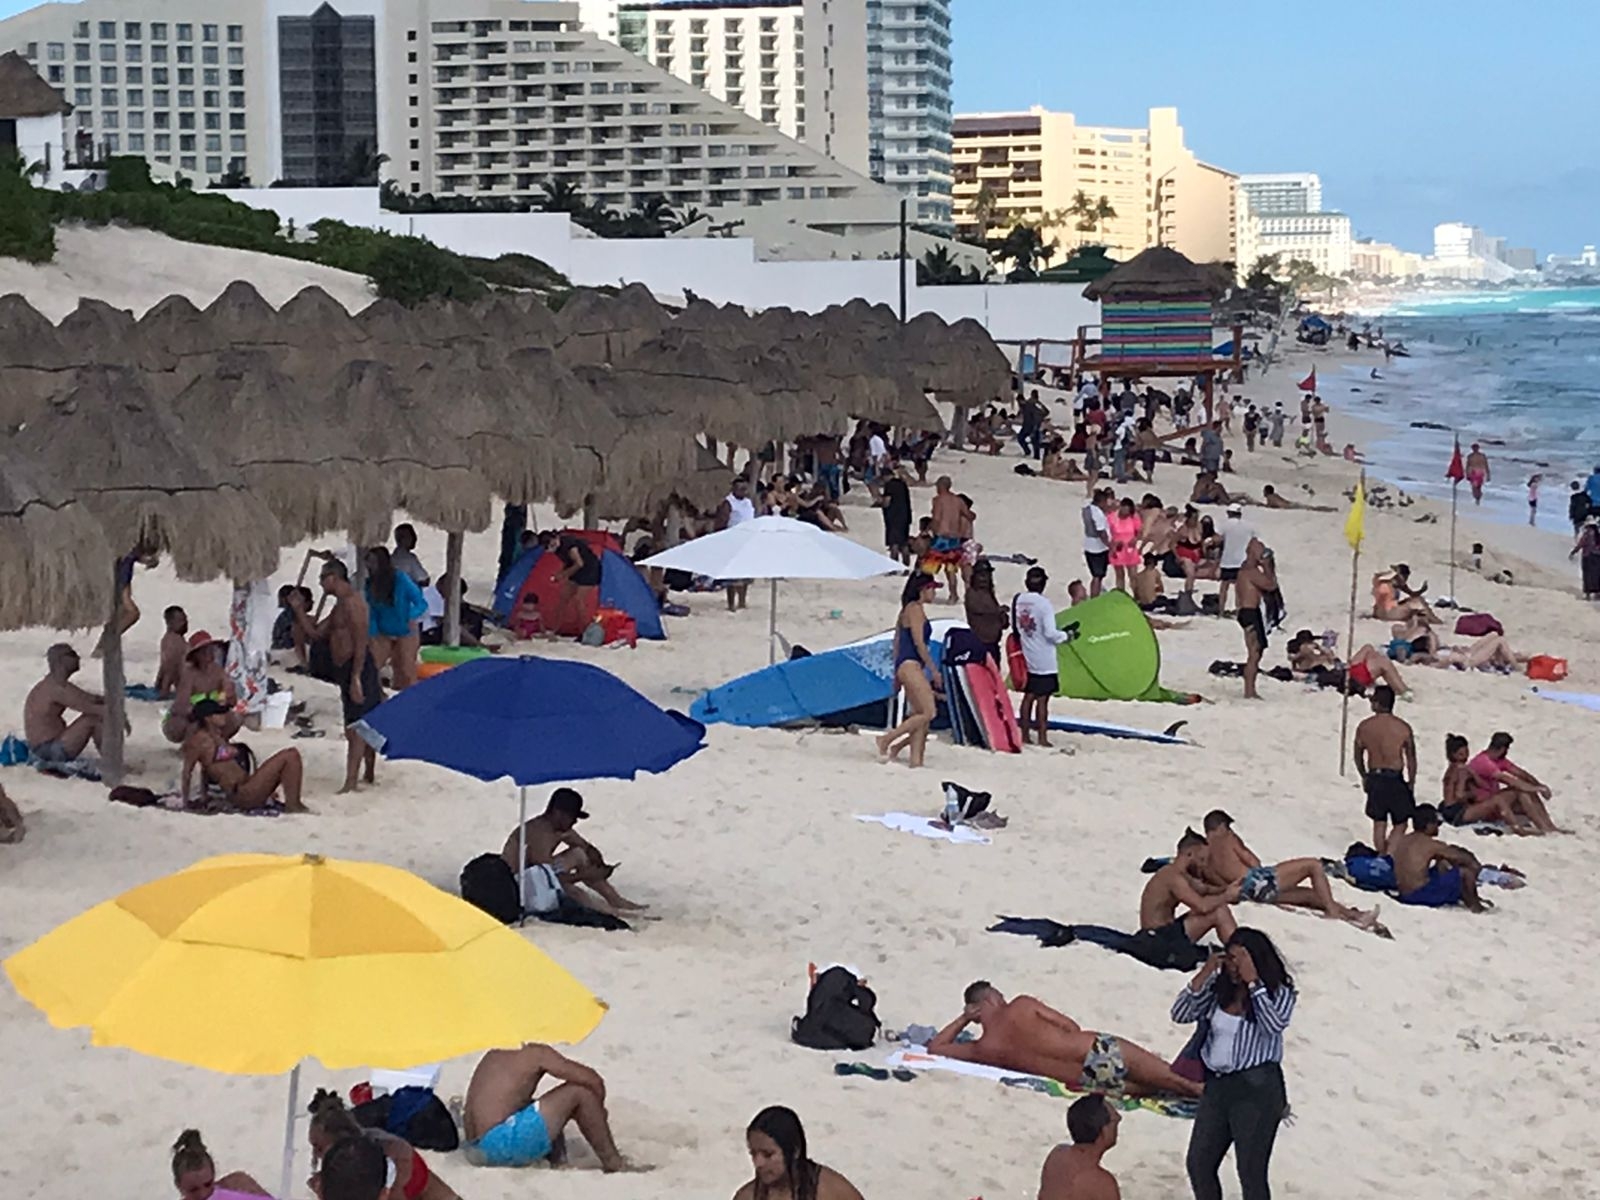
(1456, 472)
(1309, 383)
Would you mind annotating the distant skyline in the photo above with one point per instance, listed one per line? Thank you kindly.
(1413, 113)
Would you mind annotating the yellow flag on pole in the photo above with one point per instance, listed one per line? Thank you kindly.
(1355, 525)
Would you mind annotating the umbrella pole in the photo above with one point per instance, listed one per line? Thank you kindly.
(772, 627)
(452, 602)
(522, 855)
(287, 1179)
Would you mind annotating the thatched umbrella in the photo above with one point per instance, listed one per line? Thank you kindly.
(699, 486)
(53, 554)
(1157, 272)
(596, 328)
(31, 360)
(136, 471)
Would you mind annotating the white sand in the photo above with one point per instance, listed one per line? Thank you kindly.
(1455, 1059)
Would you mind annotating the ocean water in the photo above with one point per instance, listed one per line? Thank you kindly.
(1517, 371)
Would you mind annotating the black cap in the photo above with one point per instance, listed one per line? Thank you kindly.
(207, 708)
(565, 799)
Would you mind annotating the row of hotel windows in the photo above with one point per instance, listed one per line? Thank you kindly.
(133, 31)
(133, 52)
(159, 98)
(729, 25)
(162, 122)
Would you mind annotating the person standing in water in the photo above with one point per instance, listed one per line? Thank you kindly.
(915, 672)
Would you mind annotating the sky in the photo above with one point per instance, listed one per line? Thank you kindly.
(1414, 112)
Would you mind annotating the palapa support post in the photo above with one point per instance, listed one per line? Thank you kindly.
(1350, 636)
(453, 543)
(589, 511)
(113, 730)
(522, 855)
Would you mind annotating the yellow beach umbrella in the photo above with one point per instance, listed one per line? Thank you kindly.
(249, 963)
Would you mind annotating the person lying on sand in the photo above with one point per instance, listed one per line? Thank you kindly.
(1271, 499)
(1182, 881)
(776, 1142)
(1297, 882)
(1465, 802)
(1029, 1036)
(229, 766)
(553, 842)
(1492, 769)
(506, 1124)
(50, 738)
(1367, 666)
(12, 827)
(1491, 652)
(1430, 873)
(1073, 1172)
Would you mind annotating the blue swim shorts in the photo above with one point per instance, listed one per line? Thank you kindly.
(1443, 890)
(521, 1140)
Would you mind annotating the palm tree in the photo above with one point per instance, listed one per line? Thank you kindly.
(938, 267)
(560, 195)
(362, 169)
(1025, 246)
(1086, 216)
(651, 219)
(983, 210)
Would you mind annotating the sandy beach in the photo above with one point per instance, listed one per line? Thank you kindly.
(1453, 1058)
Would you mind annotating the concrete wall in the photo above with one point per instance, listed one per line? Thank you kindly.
(721, 269)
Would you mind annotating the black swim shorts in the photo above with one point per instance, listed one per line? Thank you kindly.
(1389, 797)
(1230, 573)
(371, 690)
(1042, 685)
(1098, 563)
(1170, 566)
(1250, 621)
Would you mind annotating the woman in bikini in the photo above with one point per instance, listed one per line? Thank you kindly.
(1388, 605)
(1187, 547)
(915, 672)
(331, 1122)
(229, 766)
(203, 676)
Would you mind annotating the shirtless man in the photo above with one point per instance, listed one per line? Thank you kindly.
(50, 737)
(1464, 802)
(1431, 873)
(1386, 760)
(1256, 576)
(553, 842)
(1299, 882)
(173, 650)
(1029, 1036)
(1271, 499)
(360, 690)
(1182, 881)
(951, 527)
(1477, 472)
(505, 1125)
(1074, 1172)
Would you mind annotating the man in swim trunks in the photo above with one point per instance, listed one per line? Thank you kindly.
(1298, 882)
(1477, 472)
(345, 630)
(1255, 577)
(50, 737)
(554, 844)
(1430, 873)
(1028, 1036)
(952, 527)
(1386, 760)
(505, 1125)
(1182, 881)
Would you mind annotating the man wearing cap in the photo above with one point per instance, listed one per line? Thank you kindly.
(50, 737)
(1236, 538)
(558, 860)
(203, 676)
(1035, 620)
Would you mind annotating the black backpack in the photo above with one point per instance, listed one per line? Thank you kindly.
(412, 1113)
(839, 1014)
(487, 883)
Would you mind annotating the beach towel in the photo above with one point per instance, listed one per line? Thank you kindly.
(141, 691)
(927, 827)
(1582, 699)
(917, 1058)
(1163, 953)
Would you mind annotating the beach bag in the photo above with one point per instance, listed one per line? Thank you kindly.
(617, 626)
(840, 1014)
(487, 883)
(412, 1113)
(1478, 624)
(1543, 666)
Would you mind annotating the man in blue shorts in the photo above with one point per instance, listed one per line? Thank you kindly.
(506, 1125)
(1430, 873)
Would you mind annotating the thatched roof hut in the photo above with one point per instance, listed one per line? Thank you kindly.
(1155, 274)
(55, 564)
(595, 328)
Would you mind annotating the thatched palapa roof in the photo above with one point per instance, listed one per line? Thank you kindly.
(1157, 273)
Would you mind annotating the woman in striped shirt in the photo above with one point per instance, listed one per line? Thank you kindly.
(1242, 999)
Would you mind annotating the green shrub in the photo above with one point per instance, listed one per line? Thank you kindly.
(26, 231)
(128, 173)
(412, 269)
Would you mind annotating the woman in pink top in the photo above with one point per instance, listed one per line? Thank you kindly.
(1126, 529)
(1494, 772)
(195, 1175)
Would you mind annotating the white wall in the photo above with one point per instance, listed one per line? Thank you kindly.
(721, 269)
(43, 140)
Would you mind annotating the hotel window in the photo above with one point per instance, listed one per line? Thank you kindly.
(108, 97)
(108, 74)
(235, 78)
(212, 100)
(80, 52)
(158, 54)
(208, 33)
(211, 77)
(160, 97)
(108, 120)
(235, 120)
(214, 166)
(135, 97)
(113, 143)
(213, 120)
(186, 120)
(108, 29)
(158, 31)
(214, 142)
(186, 162)
(236, 33)
(208, 54)
(82, 96)
(185, 99)
(56, 51)
(81, 29)
(186, 143)
(108, 52)
(235, 99)
(82, 74)
(186, 54)
(136, 143)
(236, 143)
(185, 32)
(235, 56)
(162, 120)
(135, 75)
(135, 119)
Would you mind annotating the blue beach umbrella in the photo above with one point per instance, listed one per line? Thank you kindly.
(533, 721)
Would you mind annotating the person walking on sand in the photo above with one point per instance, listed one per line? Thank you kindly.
(951, 528)
(1386, 761)
(1533, 498)
(1477, 472)
(1034, 619)
(776, 1142)
(1242, 1000)
(1256, 578)
(349, 665)
(1073, 1172)
(1587, 550)
(1275, 420)
(915, 672)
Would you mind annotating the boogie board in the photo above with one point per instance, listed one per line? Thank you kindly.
(992, 705)
(1107, 729)
(963, 720)
(952, 702)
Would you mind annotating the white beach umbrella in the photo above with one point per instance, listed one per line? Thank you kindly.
(775, 548)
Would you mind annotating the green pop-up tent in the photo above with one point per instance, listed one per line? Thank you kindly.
(1115, 655)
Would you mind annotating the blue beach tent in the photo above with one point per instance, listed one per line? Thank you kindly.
(622, 586)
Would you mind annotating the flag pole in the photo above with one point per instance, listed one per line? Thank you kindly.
(1350, 629)
(1455, 487)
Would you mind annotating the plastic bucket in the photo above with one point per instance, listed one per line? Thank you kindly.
(275, 710)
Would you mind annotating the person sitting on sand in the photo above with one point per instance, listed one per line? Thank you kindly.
(555, 847)
(331, 1123)
(195, 1174)
(44, 724)
(354, 1168)
(1073, 1172)
(783, 1167)
(229, 766)
(172, 651)
(1297, 882)
(1182, 881)
(1464, 802)
(1029, 1036)
(1208, 490)
(204, 677)
(505, 1123)
(1430, 873)
(981, 434)
(1493, 771)
(1056, 464)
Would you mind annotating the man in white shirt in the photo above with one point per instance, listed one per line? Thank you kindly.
(1034, 619)
(877, 461)
(1237, 535)
(1097, 537)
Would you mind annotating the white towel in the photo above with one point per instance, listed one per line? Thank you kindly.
(924, 827)
(917, 1058)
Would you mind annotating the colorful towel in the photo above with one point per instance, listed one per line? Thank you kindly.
(928, 828)
(141, 691)
(916, 1058)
